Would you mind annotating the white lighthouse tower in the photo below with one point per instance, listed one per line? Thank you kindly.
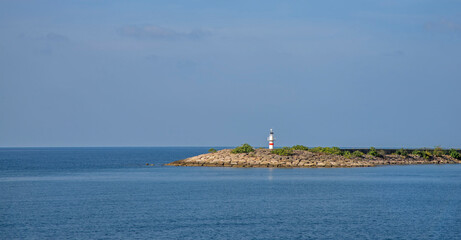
(271, 140)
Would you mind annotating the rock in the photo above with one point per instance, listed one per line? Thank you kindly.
(263, 158)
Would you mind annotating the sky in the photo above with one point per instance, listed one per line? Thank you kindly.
(357, 73)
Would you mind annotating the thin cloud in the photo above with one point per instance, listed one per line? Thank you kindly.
(54, 37)
(443, 26)
(155, 32)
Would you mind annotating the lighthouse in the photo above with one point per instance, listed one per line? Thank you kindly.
(271, 140)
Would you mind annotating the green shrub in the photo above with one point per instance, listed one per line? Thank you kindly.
(300, 147)
(212, 150)
(423, 153)
(427, 154)
(285, 151)
(245, 148)
(402, 152)
(455, 154)
(373, 152)
(347, 154)
(332, 150)
(418, 153)
(357, 154)
(438, 151)
(316, 149)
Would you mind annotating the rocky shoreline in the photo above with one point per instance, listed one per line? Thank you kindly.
(263, 158)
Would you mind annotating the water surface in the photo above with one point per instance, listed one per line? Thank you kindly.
(107, 193)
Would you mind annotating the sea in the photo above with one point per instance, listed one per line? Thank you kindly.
(115, 193)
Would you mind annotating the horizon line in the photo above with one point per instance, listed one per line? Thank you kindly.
(185, 146)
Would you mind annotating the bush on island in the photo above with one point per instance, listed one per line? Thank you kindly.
(285, 151)
(417, 153)
(212, 150)
(357, 154)
(316, 150)
(373, 152)
(427, 154)
(300, 147)
(422, 153)
(245, 148)
(332, 150)
(438, 151)
(455, 154)
(347, 154)
(402, 152)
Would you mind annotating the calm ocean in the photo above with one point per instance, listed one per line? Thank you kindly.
(110, 193)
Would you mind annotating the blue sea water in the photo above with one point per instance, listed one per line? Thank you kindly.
(110, 193)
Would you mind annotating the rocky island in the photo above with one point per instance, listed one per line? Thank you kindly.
(302, 157)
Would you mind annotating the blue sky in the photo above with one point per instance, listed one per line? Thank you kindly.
(221, 73)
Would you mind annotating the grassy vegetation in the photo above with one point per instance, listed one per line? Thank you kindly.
(300, 147)
(212, 150)
(337, 151)
(245, 148)
(424, 153)
(288, 151)
(285, 151)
